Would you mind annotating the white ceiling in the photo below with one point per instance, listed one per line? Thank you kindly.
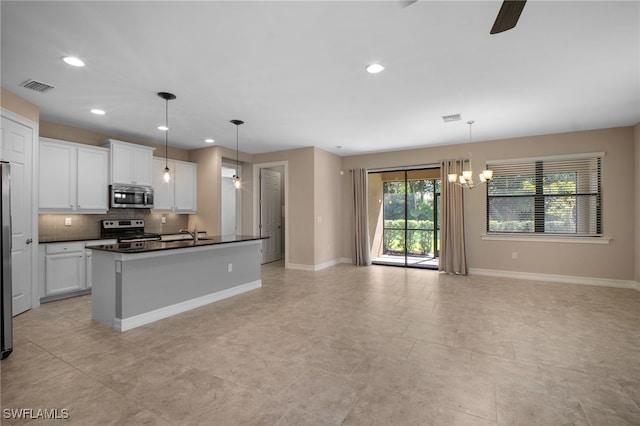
(295, 71)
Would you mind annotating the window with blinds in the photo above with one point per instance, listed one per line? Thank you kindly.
(561, 196)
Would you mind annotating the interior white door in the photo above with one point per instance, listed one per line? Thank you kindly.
(270, 215)
(17, 146)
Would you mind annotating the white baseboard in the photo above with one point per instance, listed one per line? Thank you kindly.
(569, 279)
(300, 267)
(320, 266)
(168, 311)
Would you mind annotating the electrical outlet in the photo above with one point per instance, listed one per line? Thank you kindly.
(67, 221)
(230, 267)
(163, 219)
(514, 255)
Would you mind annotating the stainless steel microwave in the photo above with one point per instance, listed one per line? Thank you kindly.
(130, 196)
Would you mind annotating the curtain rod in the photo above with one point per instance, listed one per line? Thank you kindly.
(402, 168)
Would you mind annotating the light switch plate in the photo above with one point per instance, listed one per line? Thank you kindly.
(67, 221)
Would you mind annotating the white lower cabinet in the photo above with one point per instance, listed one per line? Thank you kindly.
(88, 255)
(65, 268)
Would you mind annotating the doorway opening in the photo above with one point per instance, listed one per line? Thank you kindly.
(231, 213)
(404, 217)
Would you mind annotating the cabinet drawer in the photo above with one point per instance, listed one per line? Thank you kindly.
(64, 248)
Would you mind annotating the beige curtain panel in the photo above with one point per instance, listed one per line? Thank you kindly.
(361, 220)
(453, 257)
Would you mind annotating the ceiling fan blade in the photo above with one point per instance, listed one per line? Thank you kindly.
(508, 16)
(407, 3)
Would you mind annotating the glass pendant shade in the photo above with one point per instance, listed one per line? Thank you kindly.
(236, 177)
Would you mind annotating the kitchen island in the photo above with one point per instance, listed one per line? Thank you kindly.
(138, 283)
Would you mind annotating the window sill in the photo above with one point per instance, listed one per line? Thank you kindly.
(546, 238)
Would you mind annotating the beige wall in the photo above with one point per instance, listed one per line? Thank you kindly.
(327, 206)
(636, 132)
(613, 261)
(208, 217)
(209, 160)
(301, 229)
(12, 102)
(49, 129)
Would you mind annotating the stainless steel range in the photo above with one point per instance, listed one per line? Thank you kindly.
(126, 230)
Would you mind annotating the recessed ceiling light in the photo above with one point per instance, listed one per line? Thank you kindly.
(98, 111)
(163, 128)
(375, 68)
(209, 140)
(72, 60)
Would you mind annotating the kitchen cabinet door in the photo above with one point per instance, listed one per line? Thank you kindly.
(73, 177)
(57, 171)
(64, 272)
(130, 163)
(121, 163)
(142, 164)
(88, 269)
(185, 187)
(179, 194)
(162, 191)
(93, 181)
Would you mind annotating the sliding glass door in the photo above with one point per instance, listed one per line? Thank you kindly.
(406, 229)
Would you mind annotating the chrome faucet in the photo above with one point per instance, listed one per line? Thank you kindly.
(193, 234)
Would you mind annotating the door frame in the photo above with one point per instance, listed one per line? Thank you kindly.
(256, 202)
(10, 115)
(228, 165)
(406, 170)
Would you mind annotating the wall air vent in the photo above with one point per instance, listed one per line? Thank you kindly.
(38, 86)
(449, 118)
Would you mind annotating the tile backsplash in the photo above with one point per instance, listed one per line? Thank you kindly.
(51, 227)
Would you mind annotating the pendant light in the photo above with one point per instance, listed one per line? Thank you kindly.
(167, 97)
(236, 176)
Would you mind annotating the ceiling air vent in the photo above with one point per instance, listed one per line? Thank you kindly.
(449, 118)
(38, 86)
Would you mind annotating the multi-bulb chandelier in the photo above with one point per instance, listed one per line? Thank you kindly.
(465, 180)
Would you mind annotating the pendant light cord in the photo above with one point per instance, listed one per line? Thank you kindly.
(237, 162)
(166, 135)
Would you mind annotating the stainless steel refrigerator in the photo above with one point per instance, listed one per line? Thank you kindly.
(6, 296)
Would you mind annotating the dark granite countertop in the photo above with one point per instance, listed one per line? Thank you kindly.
(71, 240)
(148, 246)
(79, 239)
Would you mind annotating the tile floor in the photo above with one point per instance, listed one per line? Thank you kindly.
(346, 345)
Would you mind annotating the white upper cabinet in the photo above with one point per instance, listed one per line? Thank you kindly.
(162, 191)
(73, 177)
(179, 194)
(185, 187)
(93, 179)
(130, 163)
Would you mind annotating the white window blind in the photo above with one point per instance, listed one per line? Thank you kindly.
(551, 196)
